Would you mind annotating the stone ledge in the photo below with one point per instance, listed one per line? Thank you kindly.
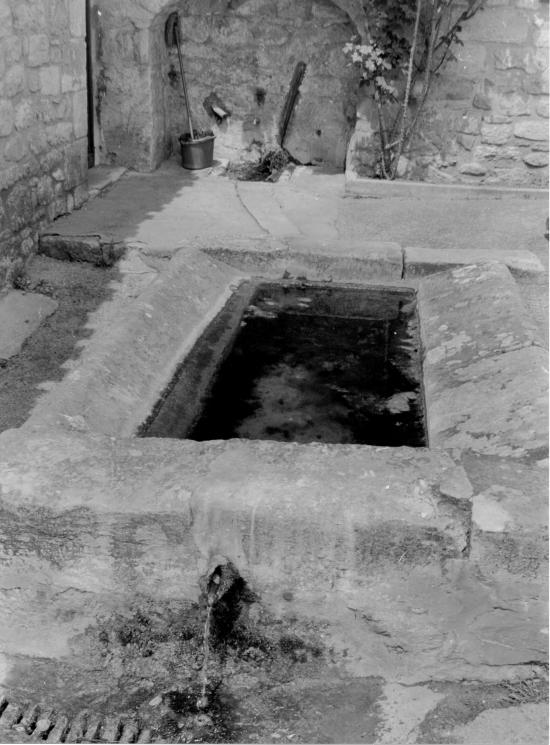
(90, 248)
(382, 189)
(468, 314)
(132, 355)
(419, 261)
(301, 257)
(484, 375)
(498, 408)
(101, 178)
(267, 213)
(21, 313)
(509, 541)
(513, 725)
(269, 507)
(115, 519)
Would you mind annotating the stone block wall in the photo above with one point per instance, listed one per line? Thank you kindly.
(244, 52)
(43, 120)
(486, 121)
(123, 71)
(244, 59)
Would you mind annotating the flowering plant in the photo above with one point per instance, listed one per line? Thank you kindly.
(372, 61)
(408, 40)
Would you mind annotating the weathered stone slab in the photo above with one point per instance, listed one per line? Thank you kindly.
(336, 261)
(388, 253)
(469, 314)
(102, 177)
(90, 248)
(493, 623)
(509, 726)
(420, 261)
(531, 130)
(509, 540)
(371, 188)
(485, 381)
(21, 313)
(265, 210)
(495, 406)
(262, 261)
(136, 348)
(473, 169)
(351, 532)
(111, 520)
(507, 552)
(536, 160)
(249, 500)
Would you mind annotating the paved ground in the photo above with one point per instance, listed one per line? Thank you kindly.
(447, 646)
(173, 208)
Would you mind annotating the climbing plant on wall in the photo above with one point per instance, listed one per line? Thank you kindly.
(400, 48)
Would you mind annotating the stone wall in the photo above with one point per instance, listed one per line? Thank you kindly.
(486, 120)
(43, 120)
(245, 60)
(244, 52)
(126, 111)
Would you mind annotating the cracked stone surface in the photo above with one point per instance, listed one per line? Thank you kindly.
(423, 261)
(21, 314)
(366, 262)
(145, 516)
(137, 346)
(421, 572)
(508, 726)
(485, 375)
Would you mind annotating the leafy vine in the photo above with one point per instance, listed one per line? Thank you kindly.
(400, 48)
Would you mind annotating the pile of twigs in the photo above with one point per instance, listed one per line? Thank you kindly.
(268, 168)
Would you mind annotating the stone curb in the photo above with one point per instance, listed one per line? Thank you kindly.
(364, 263)
(250, 501)
(94, 249)
(131, 357)
(275, 510)
(484, 377)
(381, 189)
(21, 313)
(268, 214)
(419, 261)
(90, 248)
(101, 178)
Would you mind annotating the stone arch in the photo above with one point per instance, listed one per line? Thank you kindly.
(142, 113)
(263, 61)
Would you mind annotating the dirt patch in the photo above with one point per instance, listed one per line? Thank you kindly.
(268, 168)
(465, 701)
(269, 680)
(79, 289)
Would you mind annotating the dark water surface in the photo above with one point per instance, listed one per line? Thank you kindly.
(316, 364)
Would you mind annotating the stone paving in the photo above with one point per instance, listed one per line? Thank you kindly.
(21, 314)
(440, 581)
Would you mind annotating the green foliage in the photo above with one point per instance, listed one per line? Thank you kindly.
(391, 22)
(385, 55)
(401, 42)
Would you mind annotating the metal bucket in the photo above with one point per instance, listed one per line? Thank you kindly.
(197, 154)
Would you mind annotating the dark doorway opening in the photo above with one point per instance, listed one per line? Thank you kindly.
(90, 85)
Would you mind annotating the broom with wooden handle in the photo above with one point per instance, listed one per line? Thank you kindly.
(183, 80)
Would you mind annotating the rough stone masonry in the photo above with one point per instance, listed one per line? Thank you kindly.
(486, 121)
(43, 120)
